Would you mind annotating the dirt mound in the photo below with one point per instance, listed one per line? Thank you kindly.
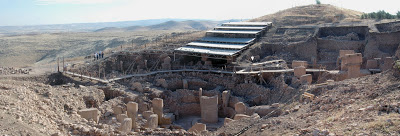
(361, 106)
(29, 108)
(310, 14)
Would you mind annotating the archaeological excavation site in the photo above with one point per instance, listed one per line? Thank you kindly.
(281, 74)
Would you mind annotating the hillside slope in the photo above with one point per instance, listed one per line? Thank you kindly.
(310, 14)
(170, 25)
(367, 105)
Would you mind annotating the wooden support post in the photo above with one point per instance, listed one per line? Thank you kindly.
(58, 64)
(63, 65)
(99, 72)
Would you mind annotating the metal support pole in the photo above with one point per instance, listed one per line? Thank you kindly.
(63, 65)
(58, 64)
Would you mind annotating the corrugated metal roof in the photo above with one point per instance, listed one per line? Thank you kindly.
(240, 28)
(228, 40)
(224, 52)
(233, 32)
(249, 23)
(218, 45)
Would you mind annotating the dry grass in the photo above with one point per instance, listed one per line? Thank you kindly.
(310, 14)
(27, 50)
(387, 124)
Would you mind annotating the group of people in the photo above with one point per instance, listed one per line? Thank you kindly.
(98, 55)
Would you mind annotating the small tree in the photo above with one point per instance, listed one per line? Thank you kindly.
(318, 2)
(398, 14)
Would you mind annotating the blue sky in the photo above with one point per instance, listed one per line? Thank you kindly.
(35, 12)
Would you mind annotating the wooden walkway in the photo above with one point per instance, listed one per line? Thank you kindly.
(242, 72)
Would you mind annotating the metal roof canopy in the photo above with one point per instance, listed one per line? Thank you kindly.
(247, 24)
(224, 52)
(218, 45)
(240, 28)
(227, 40)
(233, 32)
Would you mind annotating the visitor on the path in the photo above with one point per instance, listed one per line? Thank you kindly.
(102, 54)
(95, 55)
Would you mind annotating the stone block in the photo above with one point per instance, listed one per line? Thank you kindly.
(299, 71)
(353, 71)
(132, 110)
(152, 122)
(372, 64)
(297, 63)
(240, 108)
(162, 82)
(92, 113)
(343, 53)
(198, 128)
(137, 86)
(266, 110)
(354, 58)
(387, 63)
(307, 78)
(209, 109)
(146, 114)
(158, 108)
(351, 59)
(240, 116)
(225, 98)
(227, 120)
(126, 125)
(121, 117)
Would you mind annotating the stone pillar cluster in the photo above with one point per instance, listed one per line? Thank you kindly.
(209, 109)
(352, 63)
(158, 108)
(299, 68)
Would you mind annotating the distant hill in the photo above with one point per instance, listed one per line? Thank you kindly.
(310, 14)
(170, 25)
(78, 27)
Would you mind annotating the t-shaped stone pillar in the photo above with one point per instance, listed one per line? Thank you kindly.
(158, 108)
(126, 125)
(185, 84)
(353, 63)
(299, 71)
(209, 109)
(297, 63)
(342, 58)
(152, 122)
(132, 109)
(225, 98)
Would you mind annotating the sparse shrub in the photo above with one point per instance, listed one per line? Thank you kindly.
(397, 65)
(398, 14)
(381, 14)
(318, 2)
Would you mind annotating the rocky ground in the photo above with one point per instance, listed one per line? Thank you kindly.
(361, 106)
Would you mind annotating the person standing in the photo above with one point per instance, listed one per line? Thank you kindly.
(94, 57)
(102, 54)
